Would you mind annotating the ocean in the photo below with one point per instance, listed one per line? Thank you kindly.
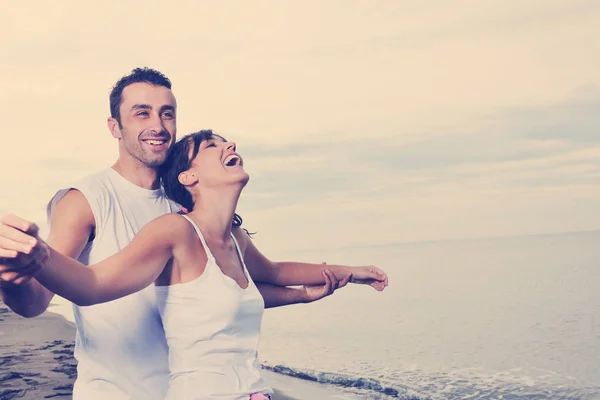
(506, 318)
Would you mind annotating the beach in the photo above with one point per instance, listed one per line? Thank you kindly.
(36, 362)
(36, 356)
(508, 318)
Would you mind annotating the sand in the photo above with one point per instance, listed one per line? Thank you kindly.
(36, 357)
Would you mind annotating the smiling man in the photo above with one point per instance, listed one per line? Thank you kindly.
(120, 346)
(143, 119)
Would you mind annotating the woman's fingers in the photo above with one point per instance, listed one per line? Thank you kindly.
(18, 223)
(16, 235)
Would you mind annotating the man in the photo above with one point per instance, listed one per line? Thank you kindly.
(120, 345)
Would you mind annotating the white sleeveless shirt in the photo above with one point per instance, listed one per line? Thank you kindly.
(120, 346)
(213, 327)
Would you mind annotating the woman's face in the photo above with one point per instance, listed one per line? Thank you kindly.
(217, 164)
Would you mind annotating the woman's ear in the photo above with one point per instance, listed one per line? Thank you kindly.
(187, 178)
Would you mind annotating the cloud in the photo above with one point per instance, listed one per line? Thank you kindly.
(518, 172)
(514, 141)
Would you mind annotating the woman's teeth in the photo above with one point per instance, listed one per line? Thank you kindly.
(231, 161)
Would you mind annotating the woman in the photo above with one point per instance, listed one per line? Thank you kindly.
(200, 264)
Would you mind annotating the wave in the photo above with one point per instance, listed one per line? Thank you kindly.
(360, 383)
(418, 385)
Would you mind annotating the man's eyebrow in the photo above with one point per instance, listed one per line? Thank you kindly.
(166, 108)
(141, 107)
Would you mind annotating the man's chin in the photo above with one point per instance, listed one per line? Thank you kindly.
(155, 162)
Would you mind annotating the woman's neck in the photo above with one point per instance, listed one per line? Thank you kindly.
(213, 213)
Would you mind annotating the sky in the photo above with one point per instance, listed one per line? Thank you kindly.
(360, 122)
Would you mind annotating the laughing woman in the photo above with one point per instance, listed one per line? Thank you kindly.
(201, 265)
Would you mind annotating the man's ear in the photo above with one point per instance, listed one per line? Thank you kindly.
(114, 127)
(187, 178)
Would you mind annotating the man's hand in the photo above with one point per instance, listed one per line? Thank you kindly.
(317, 292)
(371, 276)
(22, 253)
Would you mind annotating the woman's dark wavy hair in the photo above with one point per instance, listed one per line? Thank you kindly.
(179, 161)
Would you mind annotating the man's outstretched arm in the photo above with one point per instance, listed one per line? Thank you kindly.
(277, 296)
(71, 225)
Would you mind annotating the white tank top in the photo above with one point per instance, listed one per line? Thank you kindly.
(213, 327)
(120, 346)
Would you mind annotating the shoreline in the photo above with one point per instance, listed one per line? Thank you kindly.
(36, 362)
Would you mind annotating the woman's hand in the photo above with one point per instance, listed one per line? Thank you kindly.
(22, 253)
(369, 275)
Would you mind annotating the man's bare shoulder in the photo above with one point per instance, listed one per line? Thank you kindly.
(72, 224)
(73, 206)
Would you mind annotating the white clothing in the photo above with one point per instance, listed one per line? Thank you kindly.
(213, 326)
(120, 346)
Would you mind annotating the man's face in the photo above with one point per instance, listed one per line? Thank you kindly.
(148, 123)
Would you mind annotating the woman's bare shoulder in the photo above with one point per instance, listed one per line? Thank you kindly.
(173, 226)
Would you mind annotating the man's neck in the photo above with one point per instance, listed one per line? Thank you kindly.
(138, 174)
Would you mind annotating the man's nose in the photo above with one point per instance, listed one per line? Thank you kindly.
(157, 124)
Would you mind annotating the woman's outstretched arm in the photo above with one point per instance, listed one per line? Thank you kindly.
(291, 273)
(128, 271)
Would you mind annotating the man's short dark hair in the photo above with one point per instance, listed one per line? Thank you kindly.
(146, 75)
